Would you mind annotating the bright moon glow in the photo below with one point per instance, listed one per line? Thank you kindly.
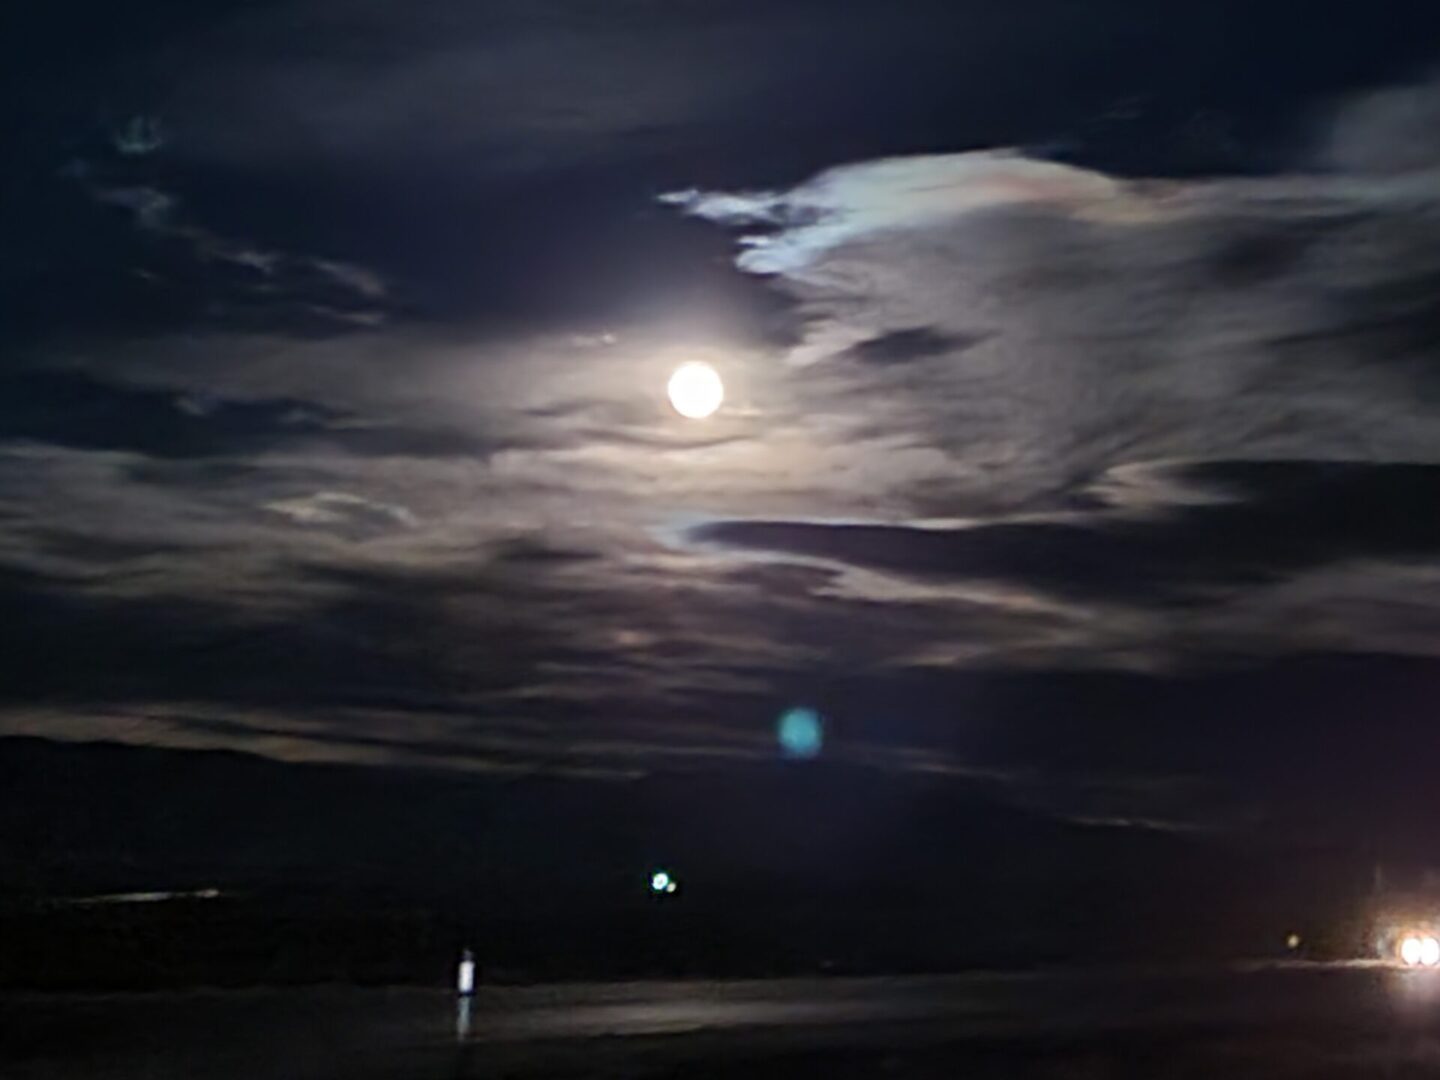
(696, 390)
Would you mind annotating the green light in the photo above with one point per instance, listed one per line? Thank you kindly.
(661, 882)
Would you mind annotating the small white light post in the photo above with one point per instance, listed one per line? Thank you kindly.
(465, 976)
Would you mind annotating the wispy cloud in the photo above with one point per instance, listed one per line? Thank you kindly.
(328, 287)
(340, 508)
(138, 136)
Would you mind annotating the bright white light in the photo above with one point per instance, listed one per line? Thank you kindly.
(465, 977)
(696, 390)
(661, 882)
(1410, 950)
(1429, 951)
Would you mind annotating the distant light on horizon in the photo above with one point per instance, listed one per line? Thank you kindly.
(695, 390)
(802, 733)
(139, 898)
(1420, 950)
(662, 882)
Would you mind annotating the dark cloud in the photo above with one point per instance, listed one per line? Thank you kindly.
(1267, 520)
(537, 552)
(917, 343)
(74, 409)
(1253, 253)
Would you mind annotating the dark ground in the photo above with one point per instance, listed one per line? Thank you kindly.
(1299, 1021)
(379, 877)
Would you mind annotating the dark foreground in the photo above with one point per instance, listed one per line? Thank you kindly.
(1333, 1021)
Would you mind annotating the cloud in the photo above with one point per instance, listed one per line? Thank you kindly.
(330, 288)
(905, 346)
(1096, 321)
(152, 208)
(138, 136)
(365, 282)
(520, 86)
(75, 409)
(341, 508)
(848, 203)
(1189, 420)
(1026, 445)
(1386, 131)
(1265, 521)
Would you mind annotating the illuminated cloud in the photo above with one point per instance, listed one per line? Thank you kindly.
(340, 508)
(1093, 322)
(849, 203)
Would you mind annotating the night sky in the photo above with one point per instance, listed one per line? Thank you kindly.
(1081, 444)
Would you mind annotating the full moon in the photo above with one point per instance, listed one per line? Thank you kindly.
(696, 390)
